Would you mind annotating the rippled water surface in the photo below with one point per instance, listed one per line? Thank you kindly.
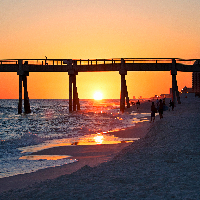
(50, 124)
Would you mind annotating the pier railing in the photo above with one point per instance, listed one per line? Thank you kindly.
(97, 61)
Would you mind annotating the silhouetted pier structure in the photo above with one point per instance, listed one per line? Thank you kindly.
(24, 66)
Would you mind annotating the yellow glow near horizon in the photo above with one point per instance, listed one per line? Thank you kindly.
(98, 96)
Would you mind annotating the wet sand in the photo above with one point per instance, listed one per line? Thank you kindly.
(90, 155)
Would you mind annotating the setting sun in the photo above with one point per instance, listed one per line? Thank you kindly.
(98, 96)
(98, 139)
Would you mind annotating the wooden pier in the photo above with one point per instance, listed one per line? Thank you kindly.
(24, 66)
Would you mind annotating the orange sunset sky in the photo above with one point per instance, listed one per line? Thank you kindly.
(82, 29)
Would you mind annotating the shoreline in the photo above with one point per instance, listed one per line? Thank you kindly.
(164, 164)
(90, 155)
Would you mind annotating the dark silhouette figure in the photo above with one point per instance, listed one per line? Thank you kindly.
(172, 105)
(164, 101)
(157, 102)
(153, 111)
(138, 104)
(161, 109)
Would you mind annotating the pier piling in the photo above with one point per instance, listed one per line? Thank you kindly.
(175, 92)
(26, 98)
(20, 95)
(70, 92)
(73, 94)
(122, 99)
(23, 78)
(173, 73)
(124, 92)
(127, 98)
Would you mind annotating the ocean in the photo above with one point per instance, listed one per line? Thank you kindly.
(50, 124)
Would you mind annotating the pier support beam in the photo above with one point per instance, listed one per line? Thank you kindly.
(175, 92)
(124, 92)
(23, 78)
(75, 97)
(26, 99)
(20, 95)
(78, 104)
(173, 73)
(127, 98)
(174, 88)
(73, 94)
(70, 92)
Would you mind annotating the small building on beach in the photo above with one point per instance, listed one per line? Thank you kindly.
(187, 90)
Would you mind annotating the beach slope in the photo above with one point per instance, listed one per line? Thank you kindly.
(165, 164)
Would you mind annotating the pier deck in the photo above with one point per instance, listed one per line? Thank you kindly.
(24, 66)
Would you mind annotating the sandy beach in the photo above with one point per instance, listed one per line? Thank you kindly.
(163, 164)
(90, 155)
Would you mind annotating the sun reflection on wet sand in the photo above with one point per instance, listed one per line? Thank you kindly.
(92, 139)
(44, 157)
(99, 139)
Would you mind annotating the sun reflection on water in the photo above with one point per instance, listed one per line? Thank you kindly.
(92, 139)
(98, 138)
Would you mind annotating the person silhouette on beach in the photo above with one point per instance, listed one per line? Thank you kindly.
(161, 109)
(138, 104)
(164, 101)
(157, 102)
(172, 105)
(153, 111)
